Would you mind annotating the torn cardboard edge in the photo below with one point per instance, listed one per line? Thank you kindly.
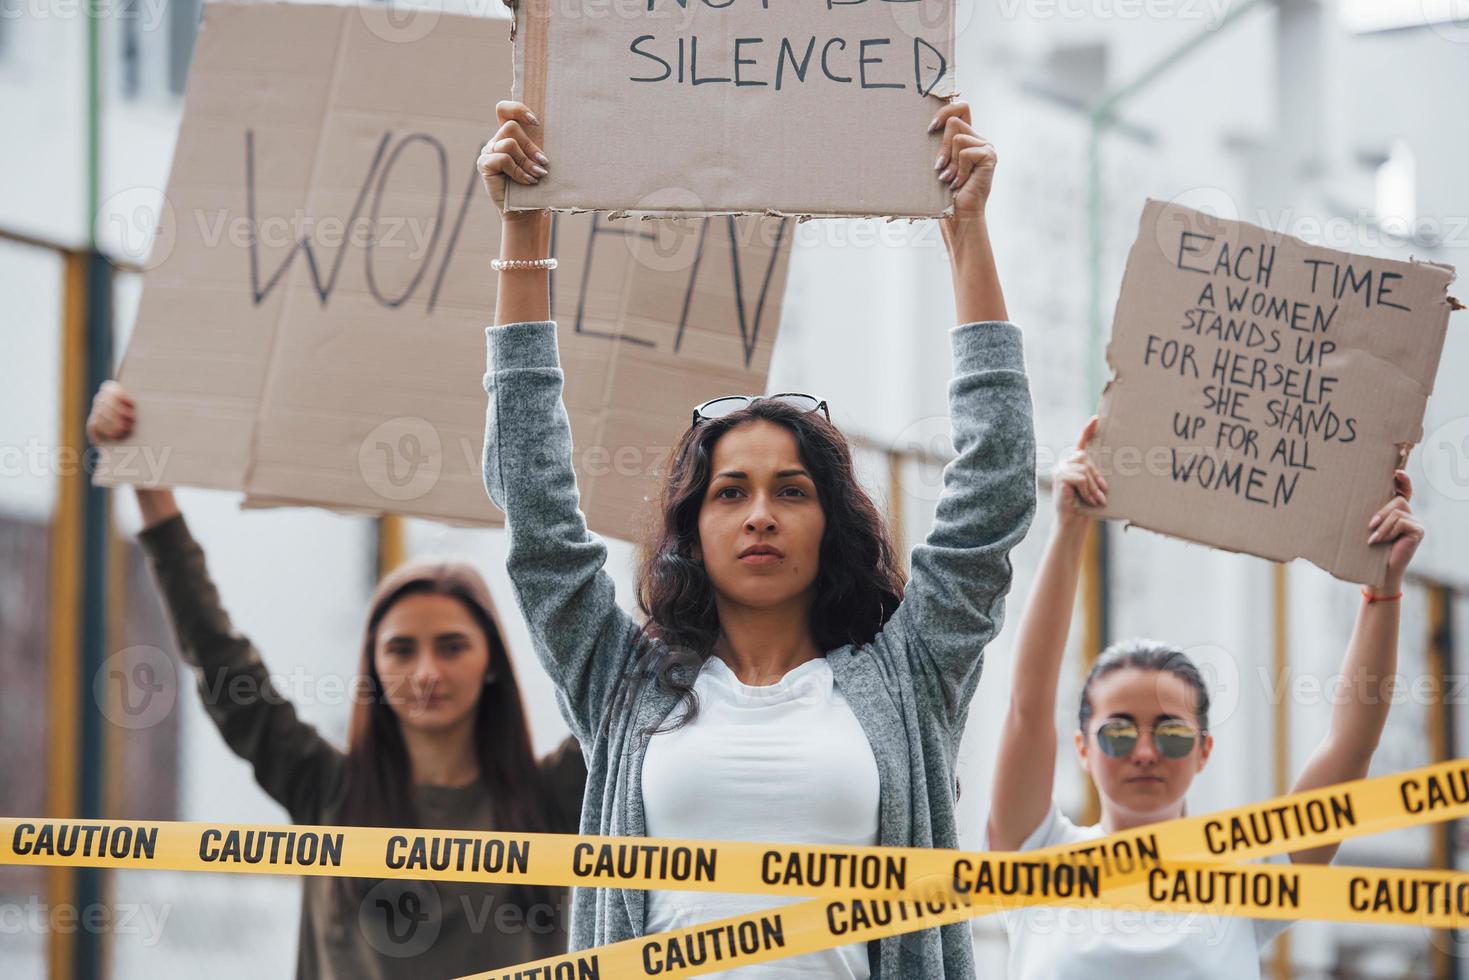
(1338, 561)
(624, 214)
(535, 43)
(800, 216)
(259, 501)
(1128, 524)
(530, 89)
(1283, 557)
(1281, 237)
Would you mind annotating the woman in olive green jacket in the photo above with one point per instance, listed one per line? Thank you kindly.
(438, 738)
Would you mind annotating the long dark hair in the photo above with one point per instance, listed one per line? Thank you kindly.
(1143, 654)
(378, 788)
(858, 584)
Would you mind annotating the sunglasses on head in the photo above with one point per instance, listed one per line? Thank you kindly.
(1118, 737)
(729, 404)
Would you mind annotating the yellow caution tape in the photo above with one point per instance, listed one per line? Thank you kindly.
(864, 893)
(1435, 899)
(795, 870)
(1136, 876)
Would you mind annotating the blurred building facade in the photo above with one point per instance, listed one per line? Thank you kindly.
(1327, 120)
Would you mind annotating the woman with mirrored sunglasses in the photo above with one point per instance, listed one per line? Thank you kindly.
(1142, 737)
(785, 683)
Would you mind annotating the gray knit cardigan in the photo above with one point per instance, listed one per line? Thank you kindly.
(910, 687)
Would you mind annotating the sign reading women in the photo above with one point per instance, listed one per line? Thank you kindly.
(1264, 389)
(312, 329)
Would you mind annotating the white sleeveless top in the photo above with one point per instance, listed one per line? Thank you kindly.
(1097, 944)
(786, 762)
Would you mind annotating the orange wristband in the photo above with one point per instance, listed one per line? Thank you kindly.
(1368, 595)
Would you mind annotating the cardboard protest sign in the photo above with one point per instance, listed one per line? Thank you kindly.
(312, 327)
(1263, 390)
(735, 106)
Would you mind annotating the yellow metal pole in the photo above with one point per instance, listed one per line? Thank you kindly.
(1441, 745)
(391, 543)
(897, 529)
(1093, 639)
(1280, 663)
(117, 618)
(112, 737)
(63, 691)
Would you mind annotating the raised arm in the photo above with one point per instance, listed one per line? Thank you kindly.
(514, 153)
(292, 762)
(1363, 693)
(112, 417)
(581, 634)
(954, 602)
(967, 164)
(1026, 762)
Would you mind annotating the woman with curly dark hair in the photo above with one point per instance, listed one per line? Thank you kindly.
(786, 685)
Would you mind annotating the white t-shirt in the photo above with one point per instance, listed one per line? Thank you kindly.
(1095, 944)
(786, 763)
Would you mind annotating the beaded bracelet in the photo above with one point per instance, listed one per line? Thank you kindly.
(504, 265)
(1370, 597)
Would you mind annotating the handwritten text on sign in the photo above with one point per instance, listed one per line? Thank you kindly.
(778, 61)
(315, 333)
(740, 105)
(1264, 388)
(747, 311)
(1265, 394)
